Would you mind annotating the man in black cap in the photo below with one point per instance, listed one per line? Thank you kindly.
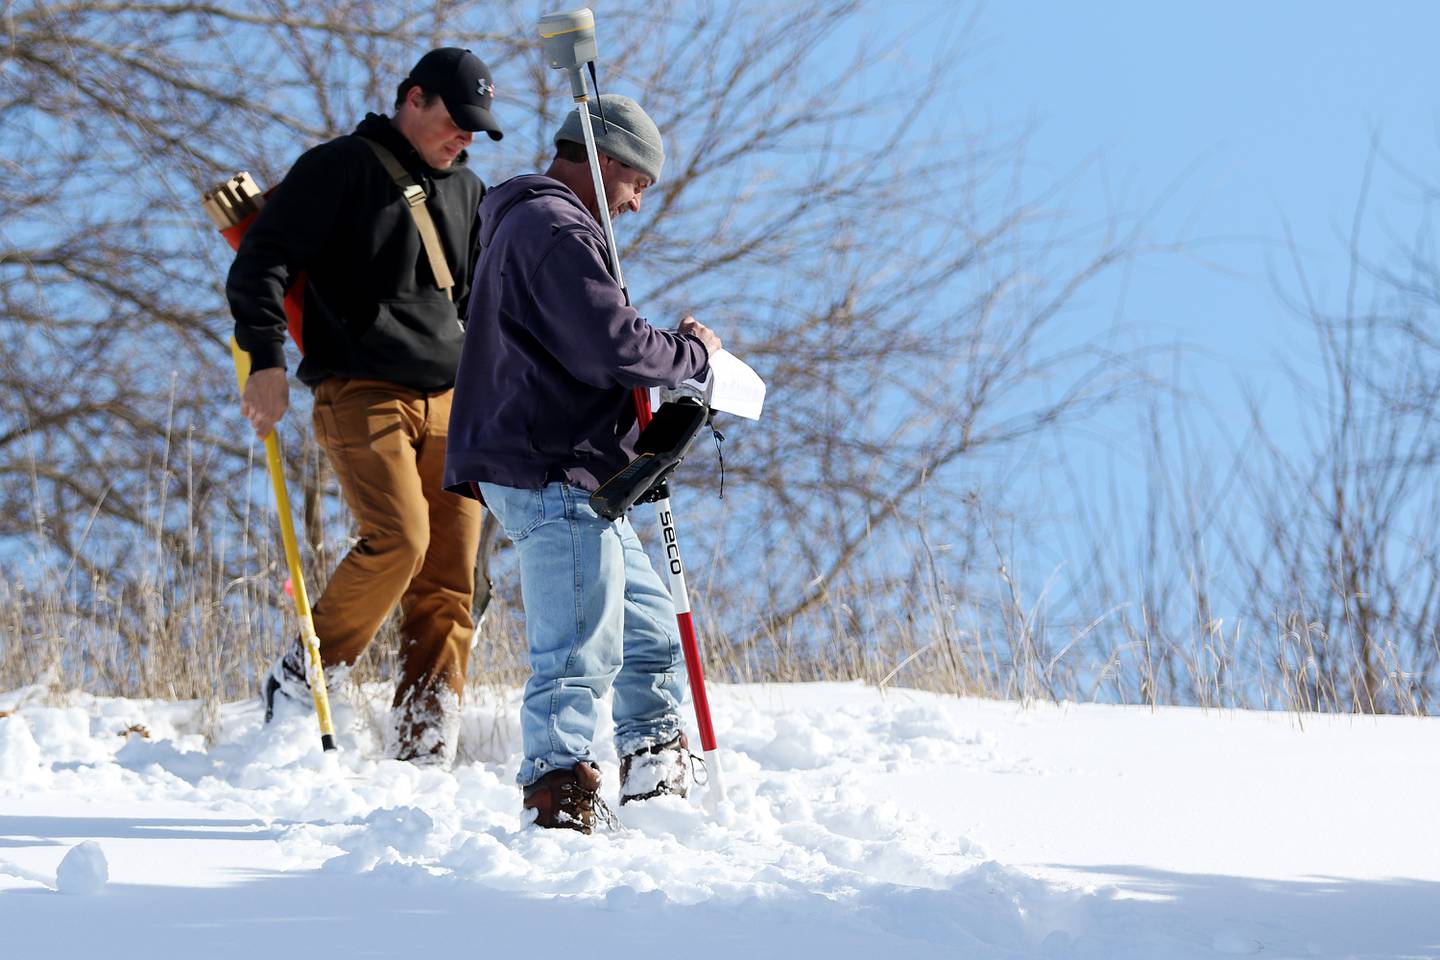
(380, 228)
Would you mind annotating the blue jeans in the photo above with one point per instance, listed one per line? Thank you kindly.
(597, 617)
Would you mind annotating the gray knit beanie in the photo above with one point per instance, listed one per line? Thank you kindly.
(631, 137)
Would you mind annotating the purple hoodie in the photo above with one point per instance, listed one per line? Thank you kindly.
(551, 349)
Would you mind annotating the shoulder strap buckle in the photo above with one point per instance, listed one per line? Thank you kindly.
(414, 195)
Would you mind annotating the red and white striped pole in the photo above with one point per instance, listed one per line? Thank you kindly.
(569, 40)
(689, 641)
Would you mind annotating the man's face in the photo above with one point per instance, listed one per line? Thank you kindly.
(624, 185)
(431, 131)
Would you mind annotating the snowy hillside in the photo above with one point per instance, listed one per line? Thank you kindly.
(859, 826)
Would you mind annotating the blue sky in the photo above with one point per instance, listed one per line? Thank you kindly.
(1248, 116)
(1240, 120)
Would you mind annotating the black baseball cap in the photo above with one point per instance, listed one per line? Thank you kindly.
(463, 81)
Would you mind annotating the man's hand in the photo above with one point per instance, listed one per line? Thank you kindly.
(702, 333)
(266, 398)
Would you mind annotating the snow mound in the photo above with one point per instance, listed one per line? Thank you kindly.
(84, 871)
(19, 753)
(184, 759)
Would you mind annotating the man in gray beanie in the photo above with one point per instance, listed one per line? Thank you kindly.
(543, 414)
(624, 132)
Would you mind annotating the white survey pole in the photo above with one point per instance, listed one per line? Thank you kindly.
(570, 44)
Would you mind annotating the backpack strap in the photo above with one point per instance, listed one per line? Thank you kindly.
(414, 195)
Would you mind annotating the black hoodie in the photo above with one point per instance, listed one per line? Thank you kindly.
(372, 309)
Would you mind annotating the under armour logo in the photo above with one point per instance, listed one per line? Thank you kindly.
(485, 87)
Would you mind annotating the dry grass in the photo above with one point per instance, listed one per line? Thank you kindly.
(208, 640)
(176, 630)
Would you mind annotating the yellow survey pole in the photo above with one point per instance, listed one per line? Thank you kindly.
(233, 206)
(314, 671)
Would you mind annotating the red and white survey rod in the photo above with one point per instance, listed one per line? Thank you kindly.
(569, 40)
(689, 640)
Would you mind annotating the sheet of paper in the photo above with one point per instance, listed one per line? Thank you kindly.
(736, 388)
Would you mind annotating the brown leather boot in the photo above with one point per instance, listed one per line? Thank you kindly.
(569, 799)
(659, 770)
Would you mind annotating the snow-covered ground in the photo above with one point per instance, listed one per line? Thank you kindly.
(858, 825)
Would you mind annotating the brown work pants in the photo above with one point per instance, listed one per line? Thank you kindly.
(417, 548)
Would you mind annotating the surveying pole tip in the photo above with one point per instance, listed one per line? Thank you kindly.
(219, 213)
(232, 201)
